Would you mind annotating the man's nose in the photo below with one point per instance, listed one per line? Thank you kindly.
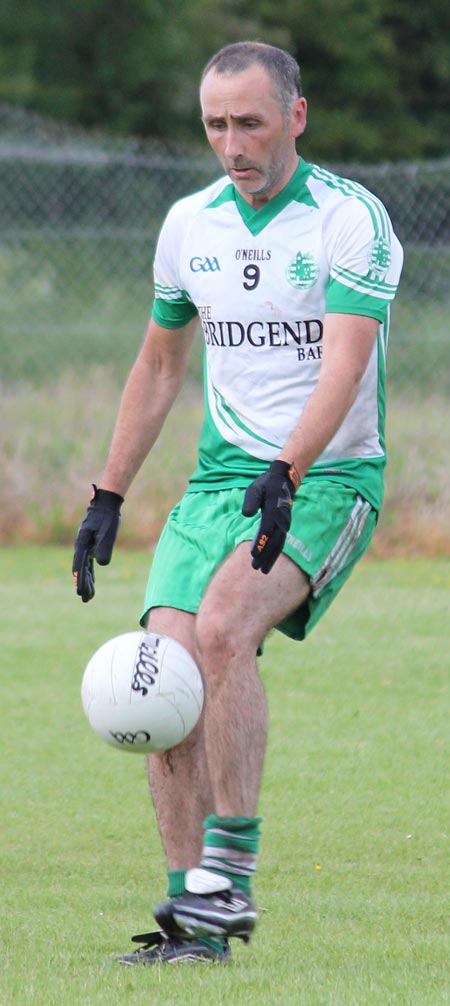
(232, 143)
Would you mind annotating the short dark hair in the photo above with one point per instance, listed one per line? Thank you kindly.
(278, 63)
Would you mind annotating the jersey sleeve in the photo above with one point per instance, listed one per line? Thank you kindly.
(172, 306)
(365, 258)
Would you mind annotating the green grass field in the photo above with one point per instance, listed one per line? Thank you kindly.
(353, 878)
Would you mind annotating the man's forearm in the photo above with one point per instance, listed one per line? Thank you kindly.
(146, 401)
(347, 346)
(322, 417)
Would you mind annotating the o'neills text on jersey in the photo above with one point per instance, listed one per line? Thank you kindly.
(253, 255)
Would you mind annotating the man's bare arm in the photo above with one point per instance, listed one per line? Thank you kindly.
(151, 388)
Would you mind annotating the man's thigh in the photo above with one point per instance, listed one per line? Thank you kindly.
(244, 601)
(206, 535)
(178, 624)
(201, 531)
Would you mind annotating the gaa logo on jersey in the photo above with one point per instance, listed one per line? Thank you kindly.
(380, 258)
(204, 264)
(303, 271)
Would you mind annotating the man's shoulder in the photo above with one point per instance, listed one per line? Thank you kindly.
(331, 188)
(213, 194)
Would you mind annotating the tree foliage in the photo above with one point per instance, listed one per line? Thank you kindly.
(376, 73)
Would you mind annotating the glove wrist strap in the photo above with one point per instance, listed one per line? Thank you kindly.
(288, 469)
(104, 496)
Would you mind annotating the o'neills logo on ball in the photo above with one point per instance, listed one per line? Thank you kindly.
(146, 668)
(128, 739)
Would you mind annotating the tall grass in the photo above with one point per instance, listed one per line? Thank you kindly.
(54, 440)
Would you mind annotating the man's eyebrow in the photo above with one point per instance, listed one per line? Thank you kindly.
(235, 118)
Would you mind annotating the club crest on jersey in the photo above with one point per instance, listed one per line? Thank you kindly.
(380, 258)
(303, 271)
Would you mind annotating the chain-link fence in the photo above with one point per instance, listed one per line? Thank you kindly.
(79, 218)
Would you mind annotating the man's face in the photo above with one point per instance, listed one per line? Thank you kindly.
(246, 127)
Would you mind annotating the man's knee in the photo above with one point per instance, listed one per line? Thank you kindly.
(215, 637)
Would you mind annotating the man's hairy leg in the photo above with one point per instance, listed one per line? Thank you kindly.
(179, 780)
(240, 607)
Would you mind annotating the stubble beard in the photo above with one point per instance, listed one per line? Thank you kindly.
(270, 179)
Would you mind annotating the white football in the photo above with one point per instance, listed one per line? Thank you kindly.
(142, 692)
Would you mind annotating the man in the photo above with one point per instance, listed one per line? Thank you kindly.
(291, 271)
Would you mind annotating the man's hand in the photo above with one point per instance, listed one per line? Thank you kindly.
(95, 539)
(273, 493)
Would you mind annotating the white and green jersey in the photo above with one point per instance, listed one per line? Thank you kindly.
(261, 282)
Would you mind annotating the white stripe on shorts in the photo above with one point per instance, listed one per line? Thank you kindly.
(341, 551)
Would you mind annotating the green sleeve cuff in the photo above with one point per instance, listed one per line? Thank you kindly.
(173, 315)
(343, 300)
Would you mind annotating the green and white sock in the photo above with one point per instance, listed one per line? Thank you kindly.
(230, 848)
(175, 882)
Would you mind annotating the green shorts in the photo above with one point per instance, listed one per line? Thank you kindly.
(331, 528)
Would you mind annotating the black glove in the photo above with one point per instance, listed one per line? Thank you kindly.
(95, 539)
(272, 493)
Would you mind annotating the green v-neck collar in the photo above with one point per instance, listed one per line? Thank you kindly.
(296, 190)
